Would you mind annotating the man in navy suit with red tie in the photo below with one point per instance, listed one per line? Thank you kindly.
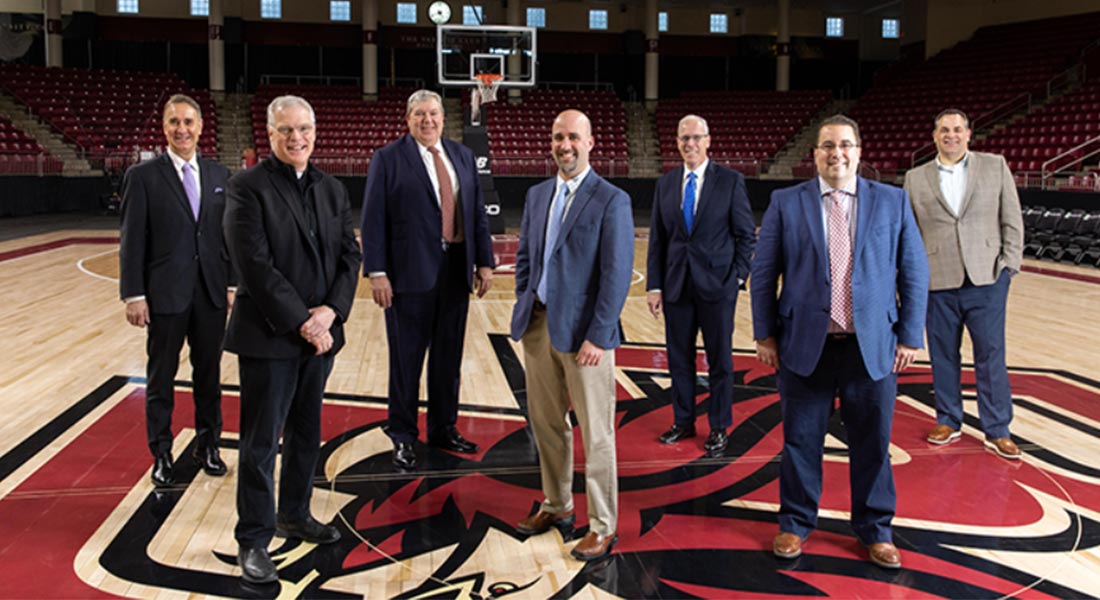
(424, 231)
(849, 318)
(174, 276)
(700, 245)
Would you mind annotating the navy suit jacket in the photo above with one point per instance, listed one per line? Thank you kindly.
(889, 277)
(402, 227)
(163, 249)
(718, 251)
(590, 268)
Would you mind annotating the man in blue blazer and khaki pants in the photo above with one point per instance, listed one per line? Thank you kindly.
(850, 317)
(573, 271)
(700, 245)
(424, 232)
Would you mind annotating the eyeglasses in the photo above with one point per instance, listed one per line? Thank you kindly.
(844, 146)
(286, 130)
(698, 137)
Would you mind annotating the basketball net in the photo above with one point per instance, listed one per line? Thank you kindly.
(487, 84)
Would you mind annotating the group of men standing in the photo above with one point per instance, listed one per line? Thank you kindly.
(849, 317)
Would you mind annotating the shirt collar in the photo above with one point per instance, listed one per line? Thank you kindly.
(826, 189)
(425, 150)
(951, 168)
(177, 161)
(702, 168)
(308, 175)
(574, 183)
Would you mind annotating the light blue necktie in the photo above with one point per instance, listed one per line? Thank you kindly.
(556, 211)
(191, 188)
(689, 202)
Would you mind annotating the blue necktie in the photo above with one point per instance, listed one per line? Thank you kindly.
(556, 210)
(689, 202)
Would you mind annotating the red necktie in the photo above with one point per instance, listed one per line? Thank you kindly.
(840, 262)
(446, 195)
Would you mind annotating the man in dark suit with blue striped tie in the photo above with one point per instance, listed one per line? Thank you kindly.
(700, 244)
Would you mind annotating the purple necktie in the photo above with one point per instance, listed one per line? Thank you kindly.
(840, 261)
(191, 188)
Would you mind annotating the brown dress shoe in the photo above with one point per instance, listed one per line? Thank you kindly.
(787, 545)
(1004, 447)
(594, 546)
(943, 434)
(542, 521)
(885, 555)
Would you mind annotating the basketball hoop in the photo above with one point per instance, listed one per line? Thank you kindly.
(487, 84)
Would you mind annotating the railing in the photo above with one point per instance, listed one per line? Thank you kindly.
(1066, 78)
(1070, 158)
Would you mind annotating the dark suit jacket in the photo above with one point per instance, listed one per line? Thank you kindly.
(590, 271)
(279, 265)
(402, 223)
(889, 276)
(718, 251)
(163, 250)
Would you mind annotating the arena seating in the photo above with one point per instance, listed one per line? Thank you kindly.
(1050, 130)
(1062, 236)
(22, 154)
(746, 127)
(996, 65)
(519, 134)
(106, 114)
(349, 129)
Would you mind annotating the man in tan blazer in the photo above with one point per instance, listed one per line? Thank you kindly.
(969, 216)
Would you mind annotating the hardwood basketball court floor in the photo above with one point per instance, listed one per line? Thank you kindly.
(80, 518)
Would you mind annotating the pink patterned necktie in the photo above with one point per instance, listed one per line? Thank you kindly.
(840, 262)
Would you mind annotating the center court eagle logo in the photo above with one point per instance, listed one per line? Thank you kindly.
(969, 525)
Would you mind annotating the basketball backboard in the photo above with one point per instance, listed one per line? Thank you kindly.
(465, 51)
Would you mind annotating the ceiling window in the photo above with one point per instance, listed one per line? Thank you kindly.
(719, 23)
(200, 8)
(406, 12)
(834, 27)
(662, 21)
(891, 29)
(271, 9)
(128, 6)
(472, 14)
(597, 19)
(536, 17)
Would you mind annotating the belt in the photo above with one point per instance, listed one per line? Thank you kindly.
(448, 246)
(839, 336)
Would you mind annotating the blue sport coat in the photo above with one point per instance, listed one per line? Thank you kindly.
(889, 276)
(590, 269)
(402, 226)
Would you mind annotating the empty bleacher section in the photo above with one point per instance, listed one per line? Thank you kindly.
(1061, 235)
(349, 129)
(519, 134)
(1049, 131)
(746, 128)
(108, 116)
(997, 72)
(20, 153)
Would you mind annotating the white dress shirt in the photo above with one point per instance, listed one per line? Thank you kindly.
(953, 182)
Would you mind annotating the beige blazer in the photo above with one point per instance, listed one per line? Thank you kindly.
(986, 236)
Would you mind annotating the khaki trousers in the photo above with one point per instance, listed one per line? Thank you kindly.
(553, 379)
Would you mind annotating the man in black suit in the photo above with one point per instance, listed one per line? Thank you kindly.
(174, 278)
(424, 230)
(700, 246)
(289, 231)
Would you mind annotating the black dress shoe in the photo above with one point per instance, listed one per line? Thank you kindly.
(308, 530)
(162, 470)
(452, 440)
(210, 460)
(716, 442)
(256, 565)
(676, 433)
(404, 457)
